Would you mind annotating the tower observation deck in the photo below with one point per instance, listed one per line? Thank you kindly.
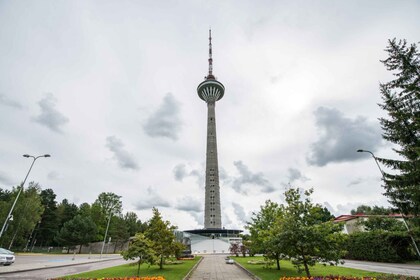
(211, 90)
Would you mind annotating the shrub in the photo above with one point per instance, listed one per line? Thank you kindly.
(379, 246)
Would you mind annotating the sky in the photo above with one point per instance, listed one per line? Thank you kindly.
(108, 88)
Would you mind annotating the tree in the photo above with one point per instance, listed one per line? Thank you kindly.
(383, 223)
(119, 231)
(161, 233)
(78, 231)
(302, 234)
(234, 249)
(141, 248)
(134, 224)
(107, 204)
(401, 100)
(375, 210)
(49, 223)
(26, 215)
(66, 211)
(260, 228)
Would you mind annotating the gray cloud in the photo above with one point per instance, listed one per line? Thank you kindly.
(5, 179)
(165, 122)
(189, 204)
(49, 116)
(199, 217)
(152, 199)
(124, 159)
(240, 212)
(53, 175)
(296, 175)
(180, 173)
(341, 137)
(4, 100)
(248, 177)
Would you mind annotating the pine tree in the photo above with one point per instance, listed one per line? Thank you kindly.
(401, 100)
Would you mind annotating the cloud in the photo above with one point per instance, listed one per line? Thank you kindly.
(4, 100)
(240, 212)
(247, 177)
(165, 122)
(180, 173)
(341, 137)
(199, 217)
(49, 116)
(5, 179)
(189, 204)
(296, 175)
(53, 175)
(124, 159)
(151, 200)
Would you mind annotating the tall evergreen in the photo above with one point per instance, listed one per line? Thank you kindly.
(401, 101)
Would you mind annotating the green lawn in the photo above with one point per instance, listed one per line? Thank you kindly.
(169, 271)
(287, 269)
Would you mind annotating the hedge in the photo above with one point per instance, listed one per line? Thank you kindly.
(379, 246)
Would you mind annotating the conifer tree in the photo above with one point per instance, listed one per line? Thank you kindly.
(401, 101)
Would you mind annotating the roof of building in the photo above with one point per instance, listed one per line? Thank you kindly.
(344, 218)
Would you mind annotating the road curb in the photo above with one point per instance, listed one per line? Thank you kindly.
(252, 275)
(193, 269)
(56, 266)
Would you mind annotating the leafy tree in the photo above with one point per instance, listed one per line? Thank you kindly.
(119, 231)
(134, 224)
(401, 100)
(26, 215)
(107, 204)
(375, 210)
(161, 233)
(302, 234)
(384, 224)
(78, 231)
(142, 248)
(49, 223)
(66, 211)
(261, 238)
(234, 249)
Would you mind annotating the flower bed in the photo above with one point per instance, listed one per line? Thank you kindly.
(382, 277)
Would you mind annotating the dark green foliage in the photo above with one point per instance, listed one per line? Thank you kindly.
(375, 210)
(379, 246)
(78, 231)
(141, 248)
(401, 100)
(383, 223)
(161, 233)
(49, 223)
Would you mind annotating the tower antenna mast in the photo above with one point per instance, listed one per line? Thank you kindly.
(210, 75)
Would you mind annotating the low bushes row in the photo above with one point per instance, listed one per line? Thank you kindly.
(381, 277)
(379, 246)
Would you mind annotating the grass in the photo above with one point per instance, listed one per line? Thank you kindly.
(169, 271)
(287, 269)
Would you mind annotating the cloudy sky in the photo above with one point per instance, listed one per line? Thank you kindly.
(108, 88)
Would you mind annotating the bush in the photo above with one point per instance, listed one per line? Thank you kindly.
(379, 246)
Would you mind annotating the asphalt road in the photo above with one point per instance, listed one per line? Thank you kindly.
(394, 268)
(52, 266)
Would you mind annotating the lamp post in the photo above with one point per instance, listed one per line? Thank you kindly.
(106, 231)
(10, 216)
(383, 177)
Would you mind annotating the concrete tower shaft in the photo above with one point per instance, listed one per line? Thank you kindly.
(211, 91)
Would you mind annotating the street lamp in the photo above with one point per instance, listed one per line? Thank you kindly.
(107, 227)
(10, 216)
(383, 178)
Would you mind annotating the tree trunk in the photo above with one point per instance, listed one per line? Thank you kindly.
(161, 262)
(305, 264)
(138, 268)
(278, 261)
(80, 248)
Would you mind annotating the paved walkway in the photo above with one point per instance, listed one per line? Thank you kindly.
(214, 267)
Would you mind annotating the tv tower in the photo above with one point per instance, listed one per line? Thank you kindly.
(211, 91)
